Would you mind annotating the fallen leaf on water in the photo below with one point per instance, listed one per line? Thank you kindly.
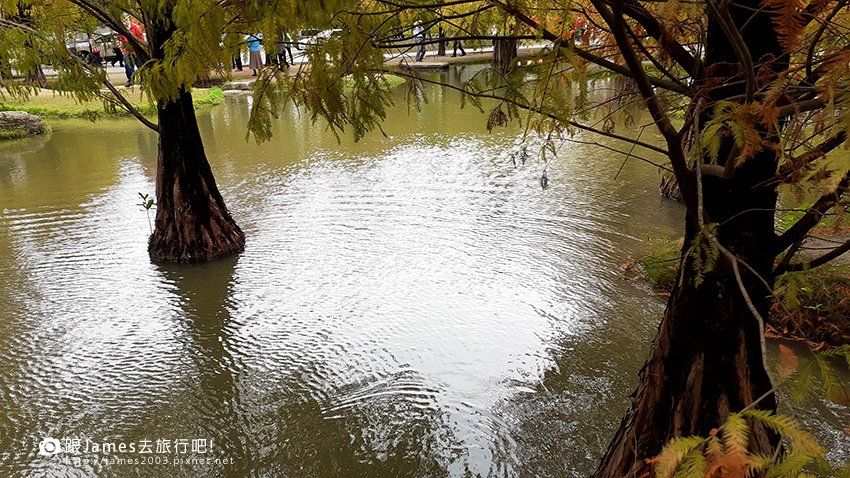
(788, 362)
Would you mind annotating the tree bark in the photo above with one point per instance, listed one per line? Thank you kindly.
(192, 221)
(670, 188)
(441, 46)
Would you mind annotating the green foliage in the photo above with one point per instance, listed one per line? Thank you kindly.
(702, 255)
(677, 451)
(661, 264)
(815, 304)
(13, 134)
(839, 218)
(817, 376)
(345, 85)
(726, 452)
(147, 203)
(187, 49)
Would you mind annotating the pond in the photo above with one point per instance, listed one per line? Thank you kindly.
(413, 304)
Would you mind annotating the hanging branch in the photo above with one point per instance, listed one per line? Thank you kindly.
(139, 45)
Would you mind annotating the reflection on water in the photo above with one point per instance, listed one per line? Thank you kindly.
(410, 305)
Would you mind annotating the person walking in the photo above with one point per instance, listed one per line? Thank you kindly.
(255, 61)
(131, 61)
(117, 55)
(458, 44)
(419, 36)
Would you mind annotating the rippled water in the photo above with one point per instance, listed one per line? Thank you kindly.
(410, 305)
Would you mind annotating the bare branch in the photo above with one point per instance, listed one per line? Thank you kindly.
(818, 261)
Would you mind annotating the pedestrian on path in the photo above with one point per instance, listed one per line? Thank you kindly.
(131, 61)
(255, 61)
(283, 48)
(419, 36)
(117, 55)
(458, 44)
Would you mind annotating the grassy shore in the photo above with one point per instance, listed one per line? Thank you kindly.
(50, 104)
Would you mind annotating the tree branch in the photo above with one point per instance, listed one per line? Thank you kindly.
(653, 28)
(795, 164)
(812, 217)
(586, 55)
(129, 107)
(818, 261)
(615, 20)
(139, 46)
(534, 109)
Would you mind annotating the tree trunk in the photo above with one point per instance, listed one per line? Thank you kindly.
(192, 222)
(504, 54)
(670, 188)
(707, 359)
(441, 46)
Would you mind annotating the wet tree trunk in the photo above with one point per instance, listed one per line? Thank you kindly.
(192, 221)
(504, 54)
(670, 188)
(707, 359)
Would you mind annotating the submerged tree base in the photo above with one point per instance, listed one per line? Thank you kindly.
(166, 249)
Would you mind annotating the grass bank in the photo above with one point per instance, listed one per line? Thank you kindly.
(811, 305)
(51, 104)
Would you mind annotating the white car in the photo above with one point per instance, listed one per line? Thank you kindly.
(92, 48)
(313, 37)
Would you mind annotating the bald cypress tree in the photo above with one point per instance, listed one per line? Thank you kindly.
(181, 44)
